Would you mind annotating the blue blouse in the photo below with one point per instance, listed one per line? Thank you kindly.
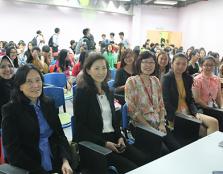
(45, 133)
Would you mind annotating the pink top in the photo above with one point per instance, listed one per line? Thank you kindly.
(207, 86)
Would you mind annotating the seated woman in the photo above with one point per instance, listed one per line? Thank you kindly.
(63, 66)
(6, 80)
(143, 95)
(177, 94)
(79, 66)
(35, 59)
(126, 70)
(96, 120)
(11, 52)
(163, 64)
(32, 134)
(207, 86)
(193, 66)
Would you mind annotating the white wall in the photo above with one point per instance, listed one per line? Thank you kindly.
(21, 21)
(155, 18)
(201, 25)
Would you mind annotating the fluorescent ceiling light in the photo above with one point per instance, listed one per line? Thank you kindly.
(125, 0)
(163, 2)
(147, 1)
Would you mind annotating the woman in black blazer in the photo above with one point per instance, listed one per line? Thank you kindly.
(177, 94)
(32, 134)
(95, 113)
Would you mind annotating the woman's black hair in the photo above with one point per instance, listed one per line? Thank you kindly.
(145, 55)
(82, 58)
(127, 52)
(87, 79)
(179, 55)
(193, 53)
(15, 61)
(62, 59)
(208, 57)
(30, 58)
(120, 46)
(17, 95)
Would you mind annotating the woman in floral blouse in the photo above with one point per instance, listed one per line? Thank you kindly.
(143, 94)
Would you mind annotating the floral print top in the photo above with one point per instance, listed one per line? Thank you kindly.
(143, 95)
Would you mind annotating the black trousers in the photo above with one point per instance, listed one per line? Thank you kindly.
(130, 159)
(170, 143)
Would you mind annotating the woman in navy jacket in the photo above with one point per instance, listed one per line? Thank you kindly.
(95, 114)
(32, 134)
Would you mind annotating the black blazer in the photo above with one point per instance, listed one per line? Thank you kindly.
(20, 131)
(89, 120)
(170, 94)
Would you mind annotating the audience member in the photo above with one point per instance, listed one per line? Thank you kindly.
(6, 81)
(32, 133)
(193, 66)
(110, 56)
(11, 52)
(207, 90)
(126, 70)
(143, 94)
(163, 64)
(36, 60)
(96, 120)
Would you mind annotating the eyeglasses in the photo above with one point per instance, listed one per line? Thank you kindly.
(30, 82)
(148, 62)
(209, 65)
(6, 66)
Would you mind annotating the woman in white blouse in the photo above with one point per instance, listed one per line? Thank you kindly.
(95, 112)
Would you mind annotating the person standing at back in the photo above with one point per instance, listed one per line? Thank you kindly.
(54, 41)
(87, 41)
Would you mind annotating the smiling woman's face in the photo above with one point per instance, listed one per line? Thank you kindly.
(32, 88)
(6, 69)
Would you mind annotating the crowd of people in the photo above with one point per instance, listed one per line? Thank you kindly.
(155, 81)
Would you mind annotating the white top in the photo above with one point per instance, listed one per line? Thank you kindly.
(200, 157)
(106, 113)
(55, 40)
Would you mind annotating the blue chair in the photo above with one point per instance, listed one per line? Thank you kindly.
(56, 79)
(125, 123)
(113, 73)
(57, 94)
(111, 84)
(59, 80)
(141, 135)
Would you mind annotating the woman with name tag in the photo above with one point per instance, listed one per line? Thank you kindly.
(207, 89)
(143, 94)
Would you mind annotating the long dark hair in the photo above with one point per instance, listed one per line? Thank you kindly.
(167, 68)
(63, 63)
(15, 61)
(17, 95)
(87, 79)
(30, 58)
